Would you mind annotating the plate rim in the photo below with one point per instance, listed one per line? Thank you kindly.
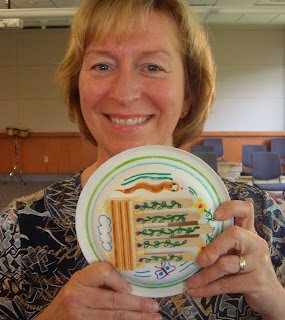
(137, 154)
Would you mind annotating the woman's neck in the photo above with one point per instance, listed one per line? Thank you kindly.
(86, 173)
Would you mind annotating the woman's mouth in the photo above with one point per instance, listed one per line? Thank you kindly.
(129, 121)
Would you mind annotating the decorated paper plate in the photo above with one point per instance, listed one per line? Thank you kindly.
(150, 211)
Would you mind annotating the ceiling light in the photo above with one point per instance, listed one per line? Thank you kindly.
(11, 23)
(37, 12)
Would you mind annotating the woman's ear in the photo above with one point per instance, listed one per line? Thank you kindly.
(185, 108)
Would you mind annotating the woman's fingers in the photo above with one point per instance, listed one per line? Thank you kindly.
(101, 274)
(234, 237)
(225, 277)
(93, 293)
(221, 271)
(109, 299)
(242, 211)
(238, 261)
(218, 264)
(99, 292)
(125, 315)
(225, 266)
(100, 314)
(229, 284)
(76, 312)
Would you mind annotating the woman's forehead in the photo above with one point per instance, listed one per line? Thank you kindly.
(155, 26)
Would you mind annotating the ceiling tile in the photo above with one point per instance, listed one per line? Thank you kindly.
(256, 18)
(280, 19)
(236, 3)
(31, 4)
(223, 18)
(67, 3)
(270, 3)
(202, 17)
(202, 2)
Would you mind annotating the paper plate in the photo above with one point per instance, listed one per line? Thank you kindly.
(158, 175)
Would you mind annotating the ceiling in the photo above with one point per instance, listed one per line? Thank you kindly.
(217, 13)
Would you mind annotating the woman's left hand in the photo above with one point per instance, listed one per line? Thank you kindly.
(223, 258)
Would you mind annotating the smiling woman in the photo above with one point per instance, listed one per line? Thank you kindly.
(187, 43)
(126, 88)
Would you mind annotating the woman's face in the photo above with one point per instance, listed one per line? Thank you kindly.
(132, 92)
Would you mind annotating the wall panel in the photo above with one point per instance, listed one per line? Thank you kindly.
(68, 152)
(65, 153)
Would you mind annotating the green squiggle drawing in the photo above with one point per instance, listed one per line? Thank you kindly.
(148, 175)
(164, 243)
(167, 218)
(155, 205)
(166, 258)
(171, 232)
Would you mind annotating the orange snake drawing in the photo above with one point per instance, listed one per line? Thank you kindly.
(154, 188)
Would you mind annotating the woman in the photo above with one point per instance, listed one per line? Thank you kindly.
(137, 73)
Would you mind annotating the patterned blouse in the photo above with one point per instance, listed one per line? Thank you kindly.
(39, 252)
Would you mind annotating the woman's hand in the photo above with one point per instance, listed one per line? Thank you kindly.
(221, 271)
(99, 292)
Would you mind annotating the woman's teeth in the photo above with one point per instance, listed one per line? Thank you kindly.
(129, 122)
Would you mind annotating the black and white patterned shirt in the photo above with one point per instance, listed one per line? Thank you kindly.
(39, 252)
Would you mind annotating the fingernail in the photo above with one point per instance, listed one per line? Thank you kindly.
(219, 214)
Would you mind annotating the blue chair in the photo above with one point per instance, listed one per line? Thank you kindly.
(209, 157)
(201, 148)
(217, 144)
(247, 150)
(266, 166)
(278, 145)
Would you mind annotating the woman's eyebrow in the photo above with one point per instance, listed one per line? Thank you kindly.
(156, 52)
(143, 53)
(97, 52)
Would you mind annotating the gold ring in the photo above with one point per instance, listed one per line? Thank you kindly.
(242, 264)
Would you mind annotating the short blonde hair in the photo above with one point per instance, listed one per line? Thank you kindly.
(95, 18)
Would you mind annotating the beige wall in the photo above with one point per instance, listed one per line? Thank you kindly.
(28, 95)
(250, 81)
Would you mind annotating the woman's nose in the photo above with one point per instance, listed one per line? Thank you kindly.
(125, 88)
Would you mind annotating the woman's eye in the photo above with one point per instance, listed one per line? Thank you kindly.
(153, 68)
(101, 67)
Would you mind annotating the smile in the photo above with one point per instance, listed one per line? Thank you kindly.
(130, 121)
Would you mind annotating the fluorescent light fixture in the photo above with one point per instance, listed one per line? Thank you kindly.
(10, 23)
(35, 12)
